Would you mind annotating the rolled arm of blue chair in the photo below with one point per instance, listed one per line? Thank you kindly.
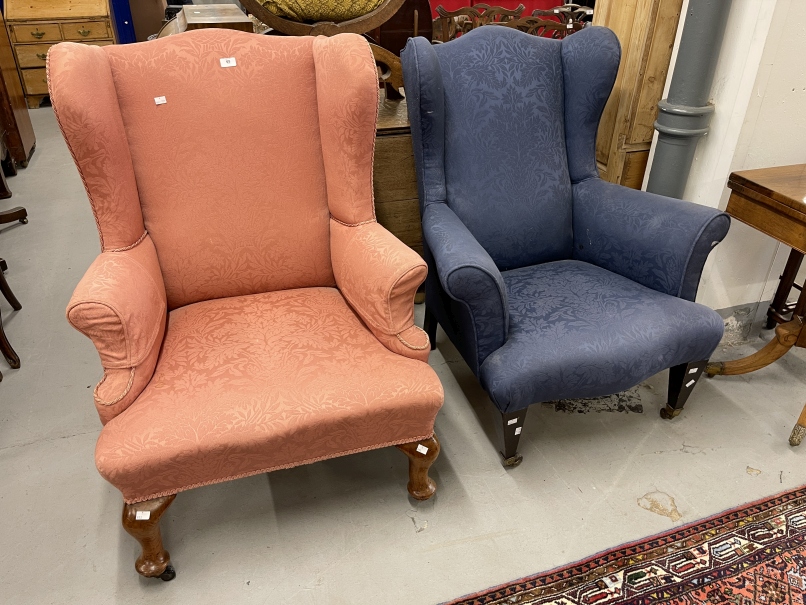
(656, 241)
(469, 276)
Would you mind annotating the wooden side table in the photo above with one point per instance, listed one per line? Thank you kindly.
(773, 201)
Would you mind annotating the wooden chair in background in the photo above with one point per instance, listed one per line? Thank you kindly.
(9, 216)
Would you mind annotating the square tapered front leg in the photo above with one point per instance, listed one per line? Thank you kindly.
(682, 380)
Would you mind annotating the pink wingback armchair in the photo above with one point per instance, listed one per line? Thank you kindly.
(249, 312)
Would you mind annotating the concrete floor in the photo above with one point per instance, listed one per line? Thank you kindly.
(344, 531)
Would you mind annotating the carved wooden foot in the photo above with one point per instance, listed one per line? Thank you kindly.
(799, 431)
(142, 520)
(421, 456)
(786, 335)
(682, 380)
(511, 427)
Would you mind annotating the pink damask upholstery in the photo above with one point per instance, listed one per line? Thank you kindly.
(272, 380)
(249, 312)
(120, 304)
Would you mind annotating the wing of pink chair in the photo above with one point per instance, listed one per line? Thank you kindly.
(249, 312)
(376, 272)
(120, 303)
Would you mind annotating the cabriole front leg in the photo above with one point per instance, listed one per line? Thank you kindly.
(142, 521)
(422, 455)
(682, 380)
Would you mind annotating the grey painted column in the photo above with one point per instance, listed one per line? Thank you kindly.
(684, 116)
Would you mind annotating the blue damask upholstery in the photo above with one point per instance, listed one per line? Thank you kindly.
(550, 282)
(577, 330)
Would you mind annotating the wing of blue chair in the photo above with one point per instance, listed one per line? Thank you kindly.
(658, 242)
(469, 277)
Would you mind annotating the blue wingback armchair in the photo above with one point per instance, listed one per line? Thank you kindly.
(551, 283)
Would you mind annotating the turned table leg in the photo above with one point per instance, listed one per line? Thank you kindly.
(786, 335)
(142, 521)
(422, 455)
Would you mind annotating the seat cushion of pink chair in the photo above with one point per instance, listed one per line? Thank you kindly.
(255, 383)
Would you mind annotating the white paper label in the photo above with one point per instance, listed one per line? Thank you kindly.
(692, 371)
(142, 515)
(160, 100)
(690, 382)
(518, 430)
(228, 62)
(422, 449)
(513, 421)
(570, 26)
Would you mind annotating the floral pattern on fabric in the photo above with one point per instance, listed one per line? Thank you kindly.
(254, 383)
(506, 170)
(229, 169)
(321, 10)
(576, 330)
(347, 94)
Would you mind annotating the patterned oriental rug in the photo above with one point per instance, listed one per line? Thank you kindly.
(752, 555)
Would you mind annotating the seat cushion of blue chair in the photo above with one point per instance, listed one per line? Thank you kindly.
(577, 330)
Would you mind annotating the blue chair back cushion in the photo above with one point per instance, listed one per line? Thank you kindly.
(506, 170)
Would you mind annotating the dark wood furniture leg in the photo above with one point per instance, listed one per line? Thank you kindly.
(430, 326)
(5, 346)
(682, 380)
(422, 455)
(15, 214)
(8, 165)
(778, 307)
(5, 192)
(510, 434)
(142, 521)
(5, 289)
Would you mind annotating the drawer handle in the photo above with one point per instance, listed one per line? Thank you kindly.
(42, 56)
(38, 35)
(84, 32)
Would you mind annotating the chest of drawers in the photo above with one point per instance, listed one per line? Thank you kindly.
(33, 27)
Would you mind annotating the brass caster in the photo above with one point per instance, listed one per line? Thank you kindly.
(169, 573)
(714, 369)
(513, 461)
(667, 413)
(798, 433)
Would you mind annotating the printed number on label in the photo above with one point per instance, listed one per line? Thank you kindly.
(422, 449)
(160, 100)
(228, 62)
(518, 430)
(142, 515)
(513, 421)
(692, 371)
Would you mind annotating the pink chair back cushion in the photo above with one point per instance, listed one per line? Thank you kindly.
(229, 168)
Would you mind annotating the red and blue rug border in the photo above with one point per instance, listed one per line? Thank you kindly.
(637, 547)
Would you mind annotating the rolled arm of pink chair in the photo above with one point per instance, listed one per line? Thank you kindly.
(379, 276)
(120, 304)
